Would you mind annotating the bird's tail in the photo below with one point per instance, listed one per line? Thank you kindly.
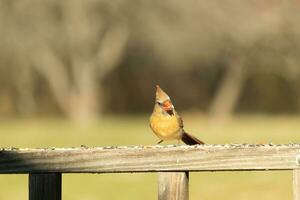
(190, 140)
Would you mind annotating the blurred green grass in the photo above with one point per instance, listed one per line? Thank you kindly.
(134, 130)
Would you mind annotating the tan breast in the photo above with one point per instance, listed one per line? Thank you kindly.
(166, 127)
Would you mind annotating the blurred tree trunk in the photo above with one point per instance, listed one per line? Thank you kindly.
(76, 98)
(93, 51)
(81, 35)
(84, 100)
(92, 57)
(298, 94)
(54, 71)
(228, 93)
(24, 84)
(291, 72)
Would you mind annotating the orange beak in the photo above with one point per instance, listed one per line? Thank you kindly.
(167, 105)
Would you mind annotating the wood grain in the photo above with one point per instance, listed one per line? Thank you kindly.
(173, 186)
(150, 158)
(296, 184)
(45, 186)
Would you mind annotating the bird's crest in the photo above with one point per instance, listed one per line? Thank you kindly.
(161, 95)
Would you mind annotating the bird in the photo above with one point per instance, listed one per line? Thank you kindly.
(166, 123)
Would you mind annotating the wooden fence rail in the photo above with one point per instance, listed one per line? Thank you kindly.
(45, 165)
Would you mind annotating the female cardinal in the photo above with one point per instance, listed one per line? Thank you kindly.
(166, 123)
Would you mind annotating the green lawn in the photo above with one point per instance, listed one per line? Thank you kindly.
(132, 130)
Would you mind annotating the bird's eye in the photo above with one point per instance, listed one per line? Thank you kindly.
(159, 103)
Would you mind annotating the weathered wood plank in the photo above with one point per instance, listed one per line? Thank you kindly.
(45, 186)
(173, 186)
(150, 159)
(296, 184)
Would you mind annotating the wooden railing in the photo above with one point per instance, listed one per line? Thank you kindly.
(173, 163)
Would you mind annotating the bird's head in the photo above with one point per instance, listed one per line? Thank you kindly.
(163, 100)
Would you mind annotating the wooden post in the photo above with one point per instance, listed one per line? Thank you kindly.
(296, 184)
(45, 186)
(173, 186)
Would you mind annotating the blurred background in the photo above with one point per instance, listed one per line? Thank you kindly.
(84, 72)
